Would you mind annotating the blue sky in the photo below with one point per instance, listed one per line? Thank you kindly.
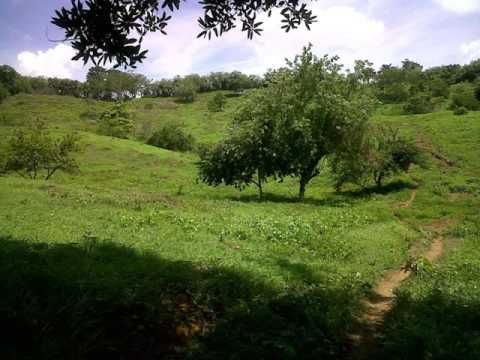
(432, 32)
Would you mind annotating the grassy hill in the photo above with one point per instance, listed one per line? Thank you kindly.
(132, 256)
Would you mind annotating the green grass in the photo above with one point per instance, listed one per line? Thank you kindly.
(131, 254)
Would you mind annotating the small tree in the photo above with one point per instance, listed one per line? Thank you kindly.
(34, 151)
(463, 94)
(251, 152)
(171, 137)
(186, 91)
(379, 153)
(421, 103)
(217, 103)
(3, 92)
(116, 122)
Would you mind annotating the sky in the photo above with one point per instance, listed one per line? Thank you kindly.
(431, 32)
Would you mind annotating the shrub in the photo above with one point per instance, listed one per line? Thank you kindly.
(217, 103)
(171, 137)
(3, 92)
(419, 104)
(34, 151)
(477, 90)
(116, 122)
(463, 94)
(186, 91)
(382, 152)
(460, 110)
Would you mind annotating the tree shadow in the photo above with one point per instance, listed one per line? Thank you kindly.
(437, 326)
(100, 300)
(391, 187)
(336, 200)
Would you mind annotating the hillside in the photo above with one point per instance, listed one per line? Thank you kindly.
(133, 256)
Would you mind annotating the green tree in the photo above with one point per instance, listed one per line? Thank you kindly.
(421, 103)
(34, 151)
(374, 154)
(116, 122)
(217, 103)
(8, 77)
(251, 153)
(4, 93)
(186, 91)
(438, 87)
(317, 110)
(290, 127)
(463, 95)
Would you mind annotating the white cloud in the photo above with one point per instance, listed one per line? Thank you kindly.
(471, 50)
(339, 30)
(460, 6)
(54, 62)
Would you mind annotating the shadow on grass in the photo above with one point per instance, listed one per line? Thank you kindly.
(391, 187)
(330, 200)
(435, 327)
(99, 300)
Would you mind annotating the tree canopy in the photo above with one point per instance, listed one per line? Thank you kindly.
(113, 30)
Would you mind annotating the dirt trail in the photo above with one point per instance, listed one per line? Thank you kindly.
(368, 333)
(409, 202)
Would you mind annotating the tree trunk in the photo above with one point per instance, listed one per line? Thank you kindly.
(259, 185)
(379, 180)
(301, 192)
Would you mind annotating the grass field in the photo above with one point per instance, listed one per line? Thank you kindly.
(131, 258)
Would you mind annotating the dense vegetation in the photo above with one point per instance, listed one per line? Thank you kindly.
(132, 256)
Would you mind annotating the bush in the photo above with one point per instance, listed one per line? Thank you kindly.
(460, 110)
(382, 152)
(116, 122)
(34, 151)
(171, 137)
(477, 90)
(186, 91)
(3, 92)
(463, 95)
(217, 103)
(419, 104)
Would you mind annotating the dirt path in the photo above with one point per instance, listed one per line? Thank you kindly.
(368, 333)
(409, 202)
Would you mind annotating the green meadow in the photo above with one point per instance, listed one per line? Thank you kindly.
(133, 258)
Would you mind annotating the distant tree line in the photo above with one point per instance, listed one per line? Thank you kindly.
(422, 91)
(112, 84)
(415, 89)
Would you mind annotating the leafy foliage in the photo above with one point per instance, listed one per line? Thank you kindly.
(376, 154)
(186, 91)
(35, 151)
(419, 104)
(113, 30)
(171, 137)
(460, 110)
(250, 154)
(217, 103)
(116, 122)
(463, 94)
(3, 92)
(307, 111)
